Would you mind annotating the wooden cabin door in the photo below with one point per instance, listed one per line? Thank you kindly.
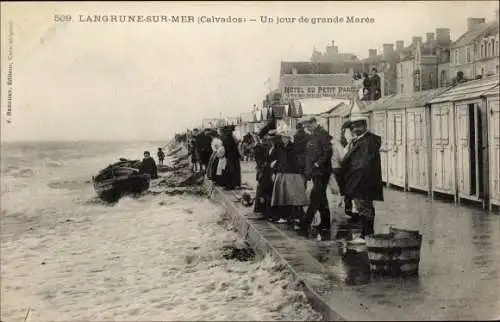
(494, 150)
(417, 149)
(397, 143)
(443, 165)
(379, 127)
(463, 149)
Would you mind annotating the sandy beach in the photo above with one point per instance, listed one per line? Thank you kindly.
(153, 258)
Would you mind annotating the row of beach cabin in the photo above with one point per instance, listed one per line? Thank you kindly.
(443, 141)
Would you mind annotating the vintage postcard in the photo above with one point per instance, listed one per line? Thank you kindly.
(250, 161)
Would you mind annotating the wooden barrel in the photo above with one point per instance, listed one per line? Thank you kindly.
(394, 254)
(347, 231)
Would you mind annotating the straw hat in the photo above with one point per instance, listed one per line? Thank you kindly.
(358, 117)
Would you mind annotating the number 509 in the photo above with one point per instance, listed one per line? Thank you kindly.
(62, 18)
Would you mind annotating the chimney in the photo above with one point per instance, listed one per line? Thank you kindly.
(388, 50)
(429, 37)
(443, 36)
(333, 43)
(372, 53)
(416, 40)
(474, 22)
(400, 45)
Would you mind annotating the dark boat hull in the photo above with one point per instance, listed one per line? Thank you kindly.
(111, 190)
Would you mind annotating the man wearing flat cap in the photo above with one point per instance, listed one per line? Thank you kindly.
(318, 169)
(362, 172)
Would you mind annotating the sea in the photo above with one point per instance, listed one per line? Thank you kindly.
(67, 256)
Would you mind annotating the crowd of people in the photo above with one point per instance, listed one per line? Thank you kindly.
(286, 161)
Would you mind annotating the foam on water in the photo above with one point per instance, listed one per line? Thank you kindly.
(69, 257)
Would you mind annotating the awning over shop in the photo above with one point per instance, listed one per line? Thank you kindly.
(468, 90)
(248, 117)
(318, 106)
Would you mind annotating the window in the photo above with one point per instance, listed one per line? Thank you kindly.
(489, 50)
(481, 55)
(482, 71)
(496, 69)
(496, 46)
(401, 70)
(443, 76)
(468, 54)
(402, 87)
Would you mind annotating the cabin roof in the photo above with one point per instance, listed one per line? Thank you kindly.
(405, 100)
(317, 80)
(493, 91)
(468, 90)
(342, 109)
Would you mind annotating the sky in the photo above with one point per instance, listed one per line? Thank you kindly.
(132, 81)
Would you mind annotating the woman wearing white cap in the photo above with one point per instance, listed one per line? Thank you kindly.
(289, 191)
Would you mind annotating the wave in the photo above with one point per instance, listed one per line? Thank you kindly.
(19, 172)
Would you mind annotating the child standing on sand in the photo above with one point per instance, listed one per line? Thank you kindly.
(161, 156)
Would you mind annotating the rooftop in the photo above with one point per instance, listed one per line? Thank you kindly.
(467, 90)
(471, 35)
(406, 100)
(317, 80)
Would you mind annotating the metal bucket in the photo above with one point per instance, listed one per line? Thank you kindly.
(394, 254)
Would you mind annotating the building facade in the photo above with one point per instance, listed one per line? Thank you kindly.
(419, 66)
(475, 53)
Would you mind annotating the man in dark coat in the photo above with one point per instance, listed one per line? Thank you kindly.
(192, 150)
(362, 173)
(264, 172)
(375, 85)
(231, 176)
(148, 166)
(318, 169)
(203, 149)
(300, 140)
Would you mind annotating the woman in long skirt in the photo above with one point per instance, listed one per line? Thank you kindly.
(231, 176)
(215, 166)
(289, 191)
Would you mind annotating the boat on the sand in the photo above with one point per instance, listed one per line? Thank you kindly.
(120, 179)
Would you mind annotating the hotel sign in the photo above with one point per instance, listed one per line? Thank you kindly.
(298, 92)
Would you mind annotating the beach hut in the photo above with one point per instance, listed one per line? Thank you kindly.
(378, 125)
(493, 110)
(388, 120)
(402, 121)
(320, 108)
(336, 118)
(459, 140)
(418, 134)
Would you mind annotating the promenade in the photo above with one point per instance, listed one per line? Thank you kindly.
(459, 277)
